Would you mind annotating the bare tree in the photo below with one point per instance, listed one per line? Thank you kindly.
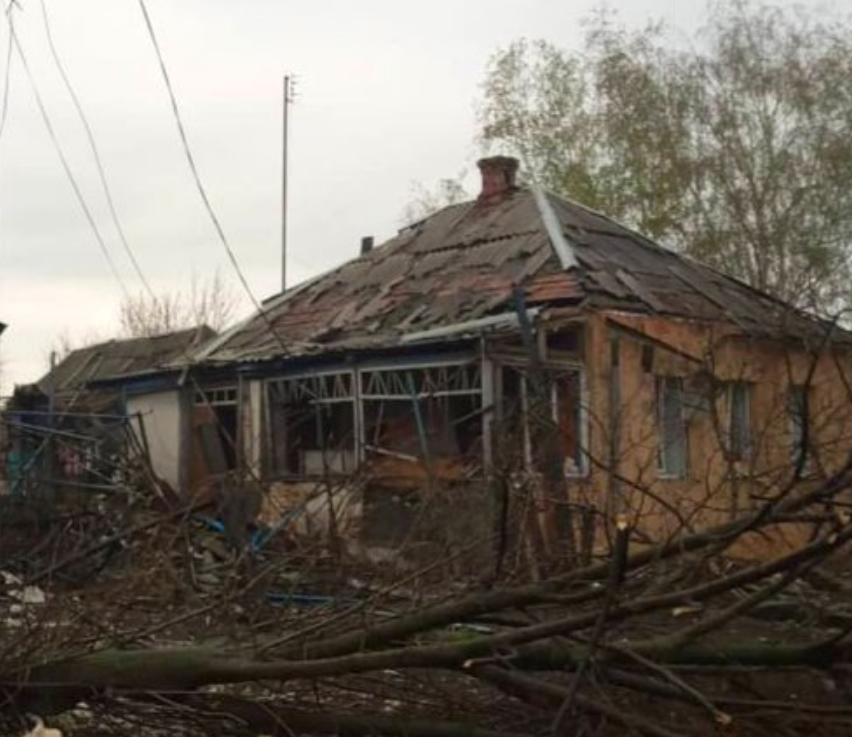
(67, 341)
(211, 303)
(425, 200)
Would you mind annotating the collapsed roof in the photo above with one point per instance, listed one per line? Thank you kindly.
(462, 263)
(115, 359)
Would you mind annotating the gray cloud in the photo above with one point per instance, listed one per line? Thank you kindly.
(386, 97)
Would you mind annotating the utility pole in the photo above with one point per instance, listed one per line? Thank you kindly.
(289, 97)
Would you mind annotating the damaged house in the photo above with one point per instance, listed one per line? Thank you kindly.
(77, 426)
(522, 350)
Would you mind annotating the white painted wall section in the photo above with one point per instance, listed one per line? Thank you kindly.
(161, 413)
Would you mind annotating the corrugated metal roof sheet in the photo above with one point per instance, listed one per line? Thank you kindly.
(462, 263)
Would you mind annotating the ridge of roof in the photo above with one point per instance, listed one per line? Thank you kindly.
(159, 337)
(460, 263)
(555, 231)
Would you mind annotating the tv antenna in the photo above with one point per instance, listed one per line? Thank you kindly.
(289, 99)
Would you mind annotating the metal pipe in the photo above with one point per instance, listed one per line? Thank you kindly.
(284, 184)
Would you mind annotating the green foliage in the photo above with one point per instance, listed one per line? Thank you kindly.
(737, 151)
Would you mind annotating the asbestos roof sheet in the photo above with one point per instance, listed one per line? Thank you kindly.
(463, 262)
(120, 358)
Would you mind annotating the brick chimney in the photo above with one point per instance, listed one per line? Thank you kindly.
(498, 178)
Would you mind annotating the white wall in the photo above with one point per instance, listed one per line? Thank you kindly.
(161, 413)
(251, 414)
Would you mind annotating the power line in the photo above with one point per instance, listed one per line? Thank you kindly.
(7, 72)
(14, 39)
(197, 178)
(65, 165)
(91, 137)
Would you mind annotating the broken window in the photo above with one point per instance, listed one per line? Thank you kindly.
(425, 412)
(672, 453)
(567, 413)
(312, 421)
(216, 427)
(739, 421)
(564, 393)
(799, 411)
(513, 450)
(565, 342)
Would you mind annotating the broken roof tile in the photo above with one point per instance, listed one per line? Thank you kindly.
(463, 262)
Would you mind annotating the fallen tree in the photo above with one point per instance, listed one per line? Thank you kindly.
(148, 614)
(550, 645)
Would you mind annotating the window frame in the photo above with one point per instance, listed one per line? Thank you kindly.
(798, 418)
(218, 400)
(406, 394)
(216, 396)
(357, 377)
(582, 466)
(746, 453)
(392, 382)
(279, 381)
(661, 388)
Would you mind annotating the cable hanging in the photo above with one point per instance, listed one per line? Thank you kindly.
(65, 165)
(7, 73)
(200, 186)
(95, 153)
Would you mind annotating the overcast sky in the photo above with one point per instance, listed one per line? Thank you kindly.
(385, 99)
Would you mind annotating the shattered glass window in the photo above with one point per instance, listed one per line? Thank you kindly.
(312, 424)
